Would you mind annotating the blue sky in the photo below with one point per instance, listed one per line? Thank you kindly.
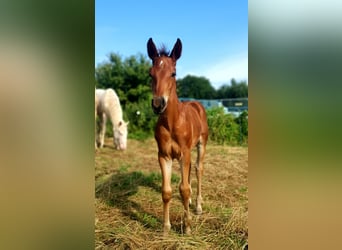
(214, 34)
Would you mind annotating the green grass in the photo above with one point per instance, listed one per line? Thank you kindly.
(140, 135)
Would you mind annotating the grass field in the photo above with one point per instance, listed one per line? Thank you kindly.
(128, 204)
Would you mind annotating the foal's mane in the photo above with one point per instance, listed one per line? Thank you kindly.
(163, 51)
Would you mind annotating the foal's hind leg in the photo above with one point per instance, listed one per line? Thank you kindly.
(199, 173)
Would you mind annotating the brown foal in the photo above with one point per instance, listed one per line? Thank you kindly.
(180, 127)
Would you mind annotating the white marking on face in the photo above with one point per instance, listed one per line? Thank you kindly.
(161, 63)
(166, 98)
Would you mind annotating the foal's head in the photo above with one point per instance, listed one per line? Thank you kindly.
(163, 74)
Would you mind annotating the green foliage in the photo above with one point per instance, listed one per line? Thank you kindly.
(129, 77)
(195, 87)
(234, 90)
(225, 129)
(141, 118)
(242, 120)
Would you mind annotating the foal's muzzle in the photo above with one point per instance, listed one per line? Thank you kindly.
(158, 104)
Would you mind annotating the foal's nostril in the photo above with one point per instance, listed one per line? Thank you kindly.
(158, 104)
(155, 102)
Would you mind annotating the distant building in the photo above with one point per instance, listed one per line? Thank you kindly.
(233, 106)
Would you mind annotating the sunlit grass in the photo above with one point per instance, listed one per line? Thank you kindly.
(128, 203)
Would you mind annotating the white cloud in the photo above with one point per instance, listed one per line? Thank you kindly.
(233, 67)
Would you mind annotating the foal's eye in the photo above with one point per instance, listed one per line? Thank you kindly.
(173, 74)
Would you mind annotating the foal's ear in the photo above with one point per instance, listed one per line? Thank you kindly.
(177, 50)
(151, 49)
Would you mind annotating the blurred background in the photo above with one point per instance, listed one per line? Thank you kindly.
(46, 147)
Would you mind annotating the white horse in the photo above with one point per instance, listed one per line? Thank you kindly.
(107, 104)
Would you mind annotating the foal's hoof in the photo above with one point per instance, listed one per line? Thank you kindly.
(166, 229)
(199, 210)
(188, 231)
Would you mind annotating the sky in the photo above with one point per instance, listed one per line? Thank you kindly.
(214, 34)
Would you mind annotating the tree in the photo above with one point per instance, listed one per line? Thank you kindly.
(136, 78)
(195, 87)
(234, 90)
(129, 77)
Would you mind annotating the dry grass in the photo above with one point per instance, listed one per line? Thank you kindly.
(128, 201)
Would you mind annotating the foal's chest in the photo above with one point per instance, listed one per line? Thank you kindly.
(168, 144)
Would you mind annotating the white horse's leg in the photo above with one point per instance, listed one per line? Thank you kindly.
(95, 125)
(103, 122)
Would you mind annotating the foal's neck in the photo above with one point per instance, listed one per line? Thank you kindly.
(172, 113)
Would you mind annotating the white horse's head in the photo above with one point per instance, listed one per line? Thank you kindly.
(120, 135)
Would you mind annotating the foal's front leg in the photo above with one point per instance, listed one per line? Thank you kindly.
(185, 188)
(166, 169)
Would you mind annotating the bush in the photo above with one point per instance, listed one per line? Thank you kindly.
(242, 120)
(225, 128)
(141, 119)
